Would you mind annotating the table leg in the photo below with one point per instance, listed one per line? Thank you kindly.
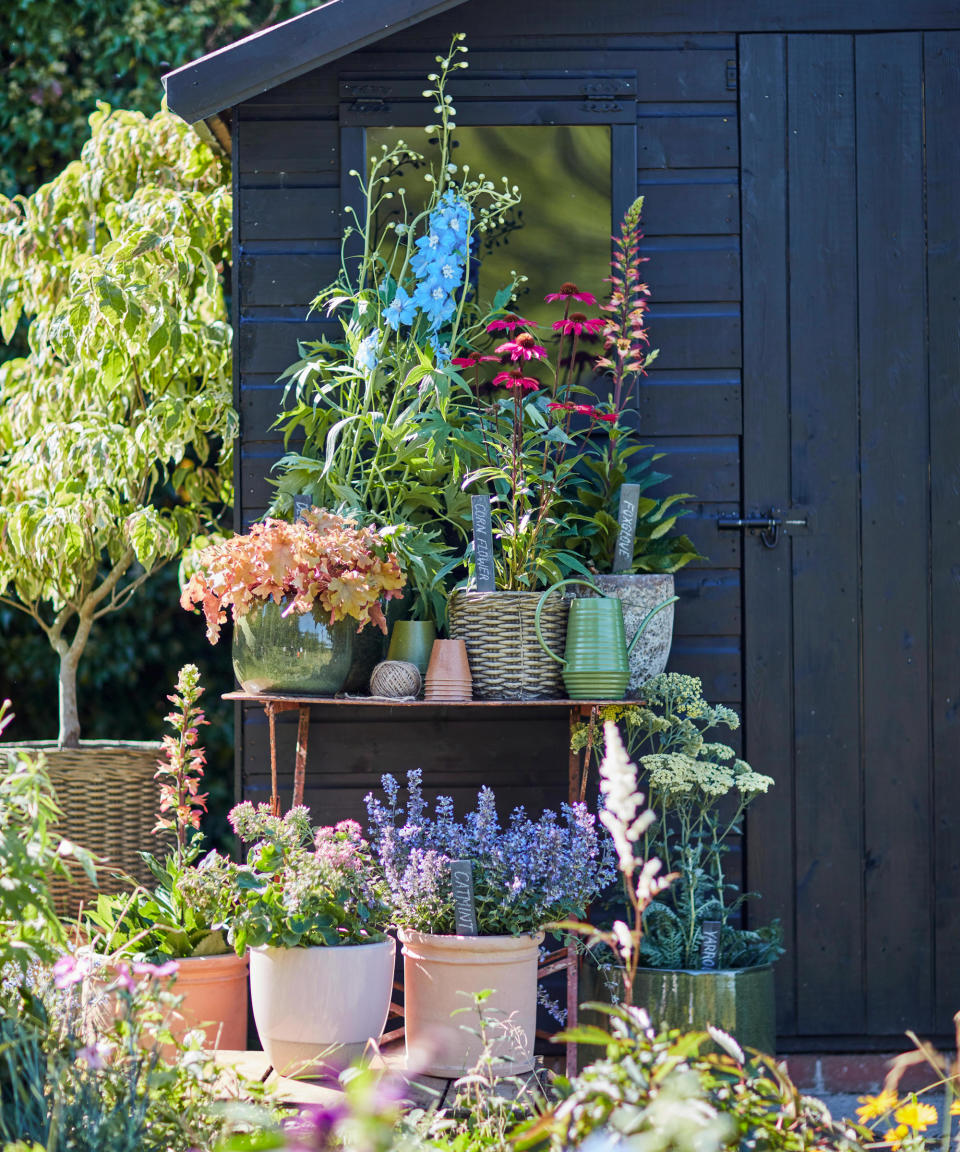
(274, 792)
(300, 768)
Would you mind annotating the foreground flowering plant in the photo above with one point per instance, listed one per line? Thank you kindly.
(524, 875)
(300, 887)
(322, 563)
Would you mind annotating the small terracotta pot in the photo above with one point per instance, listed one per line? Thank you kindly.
(214, 991)
(448, 674)
(437, 969)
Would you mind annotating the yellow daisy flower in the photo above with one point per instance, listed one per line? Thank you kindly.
(955, 1108)
(876, 1107)
(915, 1115)
(897, 1135)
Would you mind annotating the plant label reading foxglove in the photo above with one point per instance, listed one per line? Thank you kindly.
(710, 943)
(627, 530)
(301, 504)
(483, 544)
(464, 905)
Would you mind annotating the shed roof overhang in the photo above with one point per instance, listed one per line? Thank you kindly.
(204, 88)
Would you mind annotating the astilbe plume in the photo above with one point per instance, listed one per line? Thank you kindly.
(323, 559)
(625, 339)
(181, 770)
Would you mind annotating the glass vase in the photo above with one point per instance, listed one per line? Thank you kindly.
(302, 653)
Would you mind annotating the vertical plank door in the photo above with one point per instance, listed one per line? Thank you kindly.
(849, 167)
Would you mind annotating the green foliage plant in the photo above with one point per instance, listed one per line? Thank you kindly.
(30, 854)
(385, 415)
(300, 887)
(116, 427)
(697, 791)
(160, 925)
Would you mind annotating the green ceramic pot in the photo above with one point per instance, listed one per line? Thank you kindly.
(737, 1000)
(412, 640)
(301, 654)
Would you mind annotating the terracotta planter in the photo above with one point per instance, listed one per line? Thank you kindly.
(638, 594)
(448, 673)
(214, 991)
(437, 969)
(316, 1008)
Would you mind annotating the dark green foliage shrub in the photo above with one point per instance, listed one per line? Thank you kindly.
(59, 59)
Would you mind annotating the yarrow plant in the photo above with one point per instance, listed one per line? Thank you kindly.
(323, 563)
(687, 778)
(525, 875)
(300, 887)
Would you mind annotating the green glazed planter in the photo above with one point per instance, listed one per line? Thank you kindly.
(301, 654)
(737, 1000)
(412, 640)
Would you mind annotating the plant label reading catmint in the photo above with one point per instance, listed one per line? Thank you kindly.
(483, 544)
(627, 529)
(301, 503)
(710, 943)
(464, 905)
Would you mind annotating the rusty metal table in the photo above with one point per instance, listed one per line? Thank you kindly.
(563, 959)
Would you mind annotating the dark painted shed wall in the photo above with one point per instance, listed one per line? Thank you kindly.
(288, 167)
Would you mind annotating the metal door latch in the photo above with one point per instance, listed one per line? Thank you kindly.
(769, 526)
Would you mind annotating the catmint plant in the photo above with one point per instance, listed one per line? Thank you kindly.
(526, 875)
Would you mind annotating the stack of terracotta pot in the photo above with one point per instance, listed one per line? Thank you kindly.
(448, 673)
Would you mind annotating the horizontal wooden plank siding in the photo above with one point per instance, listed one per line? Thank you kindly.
(292, 173)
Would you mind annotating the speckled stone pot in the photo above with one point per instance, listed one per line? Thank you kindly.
(638, 594)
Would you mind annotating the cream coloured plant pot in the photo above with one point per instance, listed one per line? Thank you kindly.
(316, 1008)
(438, 970)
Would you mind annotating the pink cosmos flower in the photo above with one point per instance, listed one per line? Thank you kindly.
(514, 378)
(577, 324)
(609, 417)
(583, 409)
(523, 347)
(471, 361)
(510, 323)
(156, 971)
(124, 979)
(570, 291)
(95, 1055)
(68, 971)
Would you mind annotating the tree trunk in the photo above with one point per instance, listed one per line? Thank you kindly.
(69, 718)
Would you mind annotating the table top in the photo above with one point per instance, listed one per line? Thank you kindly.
(386, 702)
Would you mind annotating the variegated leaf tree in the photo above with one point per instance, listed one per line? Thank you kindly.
(116, 427)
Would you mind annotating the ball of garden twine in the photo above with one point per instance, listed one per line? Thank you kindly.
(395, 679)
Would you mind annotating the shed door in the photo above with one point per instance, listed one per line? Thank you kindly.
(851, 202)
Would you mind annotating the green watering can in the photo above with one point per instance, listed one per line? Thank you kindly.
(596, 660)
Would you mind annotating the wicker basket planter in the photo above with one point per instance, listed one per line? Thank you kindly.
(109, 800)
(506, 660)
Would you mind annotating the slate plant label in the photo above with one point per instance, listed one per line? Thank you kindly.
(710, 943)
(627, 520)
(464, 905)
(301, 503)
(483, 544)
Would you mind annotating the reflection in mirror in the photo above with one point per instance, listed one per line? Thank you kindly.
(560, 232)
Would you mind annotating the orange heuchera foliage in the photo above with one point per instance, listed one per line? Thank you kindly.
(322, 559)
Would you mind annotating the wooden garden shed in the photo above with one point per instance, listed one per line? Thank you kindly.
(801, 167)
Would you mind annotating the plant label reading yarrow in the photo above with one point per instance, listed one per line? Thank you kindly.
(483, 544)
(710, 943)
(464, 905)
(627, 519)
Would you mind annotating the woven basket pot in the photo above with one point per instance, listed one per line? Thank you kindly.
(109, 800)
(506, 660)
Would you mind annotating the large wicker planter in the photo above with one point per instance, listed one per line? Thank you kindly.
(109, 800)
(506, 660)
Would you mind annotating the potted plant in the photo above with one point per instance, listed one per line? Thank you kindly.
(696, 965)
(116, 426)
(519, 878)
(384, 412)
(308, 905)
(160, 927)
(297, 594)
